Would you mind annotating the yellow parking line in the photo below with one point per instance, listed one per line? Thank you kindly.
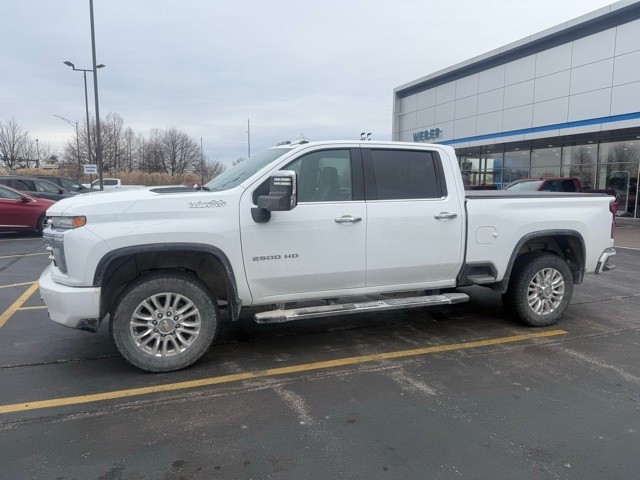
(6, 315)
(39, 307)
(16, 284)
(340, 362)
(19, 239)
(24, 255)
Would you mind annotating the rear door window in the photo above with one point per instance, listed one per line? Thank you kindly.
(22, 185)
(404, 175)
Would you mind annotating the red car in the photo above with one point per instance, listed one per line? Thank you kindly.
(20, 212)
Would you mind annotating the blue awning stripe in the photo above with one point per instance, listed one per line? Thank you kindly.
(545, 128)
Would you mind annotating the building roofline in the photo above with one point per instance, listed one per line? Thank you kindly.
(604, 18)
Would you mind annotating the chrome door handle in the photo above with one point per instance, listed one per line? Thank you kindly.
(444, 215)
(347, 219)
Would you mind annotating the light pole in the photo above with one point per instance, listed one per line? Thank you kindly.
(86, 106)
(248, 139)
(201, 165)
(95, 93)
(75, 124)
(37, 154)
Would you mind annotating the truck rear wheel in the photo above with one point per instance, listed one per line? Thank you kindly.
(164, 321)
(540, 289)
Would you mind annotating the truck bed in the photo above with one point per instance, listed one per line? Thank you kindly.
(498, 220)
(475, 194)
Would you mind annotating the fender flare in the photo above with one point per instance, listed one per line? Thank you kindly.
(234, 301)
(502, 285)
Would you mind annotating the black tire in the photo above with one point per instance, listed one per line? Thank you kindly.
(516, 300)
(40, 224)
(188, 287)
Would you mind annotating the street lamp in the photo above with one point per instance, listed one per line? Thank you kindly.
(86, 101)
(75, 124)
(37, 154)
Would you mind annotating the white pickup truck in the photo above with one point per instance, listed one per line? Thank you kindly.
(310, 230)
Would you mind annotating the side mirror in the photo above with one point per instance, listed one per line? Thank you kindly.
(61, 191)
(282, 196)
(24, 199)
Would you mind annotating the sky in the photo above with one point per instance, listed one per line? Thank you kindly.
(326, 69)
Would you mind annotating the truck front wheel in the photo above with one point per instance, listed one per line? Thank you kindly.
(164, 321)
(540, 289)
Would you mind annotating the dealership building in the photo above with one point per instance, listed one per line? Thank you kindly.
(564, 102)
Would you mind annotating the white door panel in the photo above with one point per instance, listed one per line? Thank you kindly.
(414, 227)
(305, 249)
(406, 244)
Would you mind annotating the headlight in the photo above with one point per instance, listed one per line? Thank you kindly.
(66, 223)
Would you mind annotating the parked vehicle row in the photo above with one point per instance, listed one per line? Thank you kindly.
(24, 199)
(36, 187)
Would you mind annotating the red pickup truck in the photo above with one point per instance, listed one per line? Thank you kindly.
(549, 185)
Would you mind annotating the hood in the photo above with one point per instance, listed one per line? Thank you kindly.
(135, 201)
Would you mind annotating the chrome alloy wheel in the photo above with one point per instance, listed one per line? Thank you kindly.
(546, 291)
(165, 324)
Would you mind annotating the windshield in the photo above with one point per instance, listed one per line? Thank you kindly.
(243, 170)
(526, 186)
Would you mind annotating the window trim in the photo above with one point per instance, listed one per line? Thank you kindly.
(371, 190)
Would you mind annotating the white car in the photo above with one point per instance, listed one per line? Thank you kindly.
(323, 222)
(111, 184)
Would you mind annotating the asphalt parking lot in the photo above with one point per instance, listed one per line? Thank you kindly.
(456, 392)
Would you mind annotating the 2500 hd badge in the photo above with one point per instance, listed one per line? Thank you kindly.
(275, 257)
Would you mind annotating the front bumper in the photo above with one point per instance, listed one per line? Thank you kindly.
(603, 266)
(74, 307)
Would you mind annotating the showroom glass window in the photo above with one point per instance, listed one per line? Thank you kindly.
(470, 169)
(579, 161)
(516, 165)
(545, 162)
(618, 170)
(491, 169)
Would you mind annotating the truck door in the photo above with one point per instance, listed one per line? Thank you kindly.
(319, 246)
(414, 219)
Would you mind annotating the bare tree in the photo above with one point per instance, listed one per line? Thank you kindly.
(16, 147)
(113, 142)
(180, 152)
(168, 150)
(209, 169)
(129, 150)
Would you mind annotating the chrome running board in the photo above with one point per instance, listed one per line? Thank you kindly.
(280, 316)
